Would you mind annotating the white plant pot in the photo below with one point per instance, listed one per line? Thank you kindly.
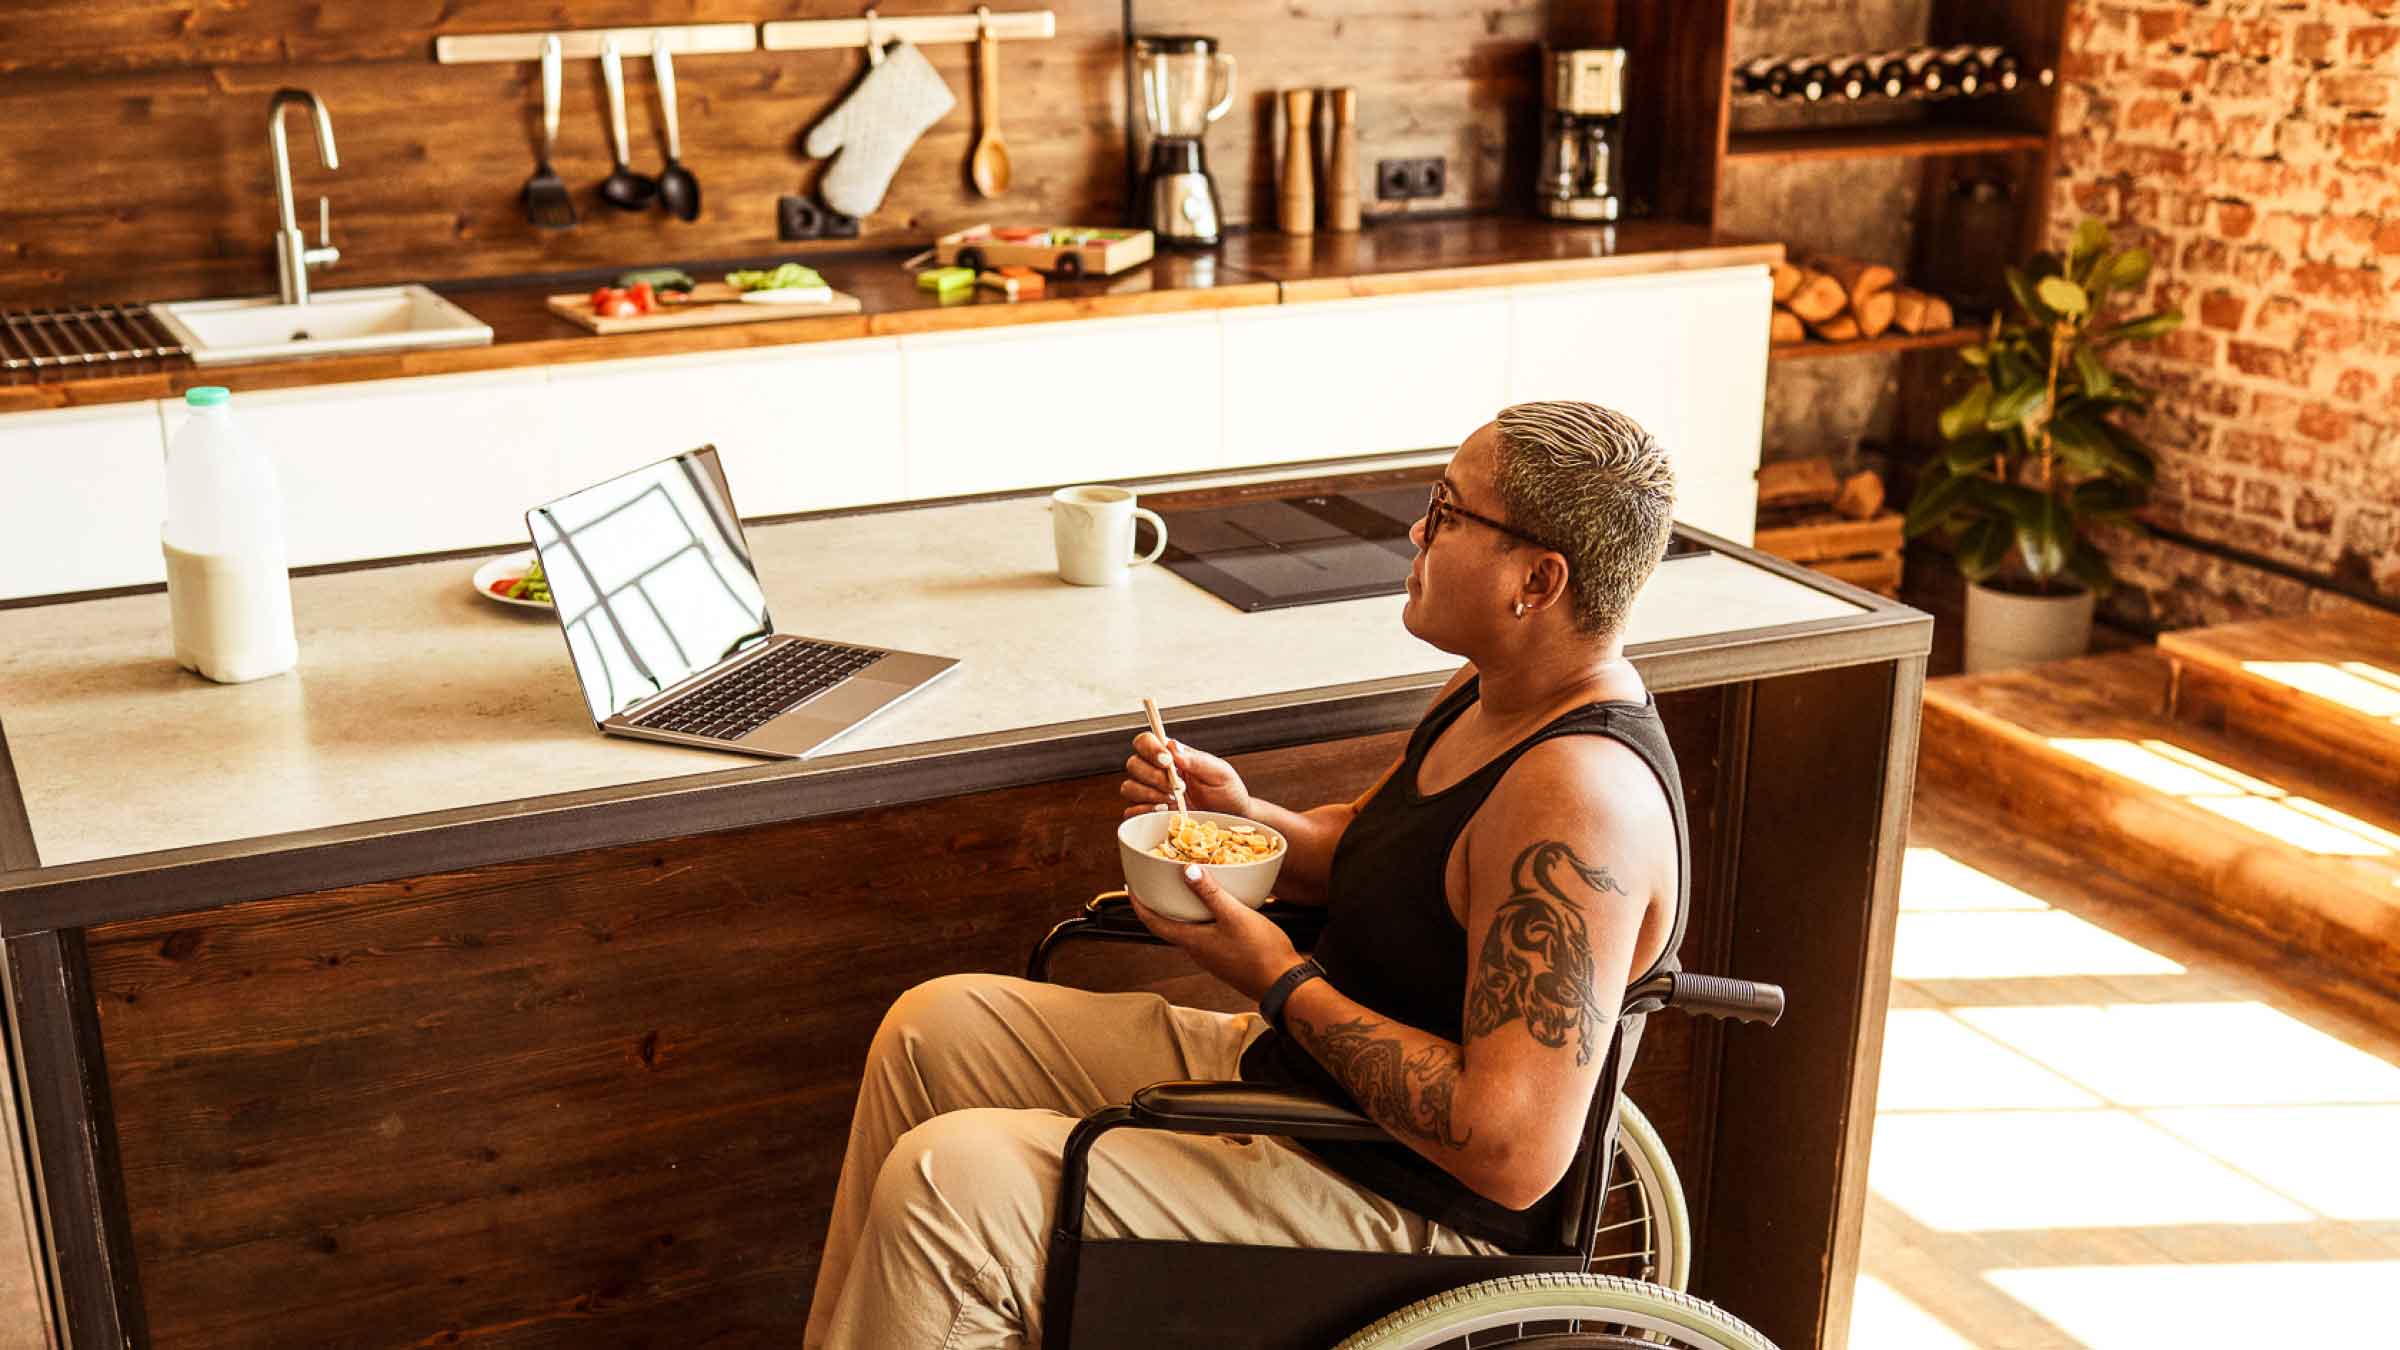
(2006, 629)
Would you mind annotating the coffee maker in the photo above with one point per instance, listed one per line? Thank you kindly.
(1583, 108)
(1185, 83)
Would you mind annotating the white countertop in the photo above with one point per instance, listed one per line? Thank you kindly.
(414, 694)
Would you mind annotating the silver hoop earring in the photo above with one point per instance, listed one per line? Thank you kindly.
(1520, 609)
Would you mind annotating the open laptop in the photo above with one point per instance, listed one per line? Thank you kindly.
(668, 628)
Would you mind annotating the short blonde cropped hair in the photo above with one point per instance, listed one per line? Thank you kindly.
(1599, 489)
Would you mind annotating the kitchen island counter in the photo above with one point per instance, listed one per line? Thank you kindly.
(388, 995)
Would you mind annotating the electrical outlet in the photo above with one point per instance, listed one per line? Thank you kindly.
(1400, 180)
(801, 218)
(838, 226)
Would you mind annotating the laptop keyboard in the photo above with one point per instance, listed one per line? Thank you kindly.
(734, 705)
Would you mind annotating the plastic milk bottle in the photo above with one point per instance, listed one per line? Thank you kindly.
(228, 586)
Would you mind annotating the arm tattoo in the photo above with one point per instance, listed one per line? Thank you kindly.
(1537, 956)
(1407, 1094)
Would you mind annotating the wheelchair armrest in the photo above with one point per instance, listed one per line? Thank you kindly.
(1109, 917)
(1245, 1108)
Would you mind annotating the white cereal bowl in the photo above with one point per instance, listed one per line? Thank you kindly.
(1157, 883)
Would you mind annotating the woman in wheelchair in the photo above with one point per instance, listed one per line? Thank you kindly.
(1488, 902)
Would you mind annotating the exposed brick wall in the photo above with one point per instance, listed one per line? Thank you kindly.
(2255, 147)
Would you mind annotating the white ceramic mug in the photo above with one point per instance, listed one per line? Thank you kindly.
(1093, 527)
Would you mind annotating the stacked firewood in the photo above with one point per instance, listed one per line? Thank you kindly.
(1843, 299)
(1832, 523)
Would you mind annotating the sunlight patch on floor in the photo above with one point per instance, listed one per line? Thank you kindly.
(1934, 1062)
(1931, 880)
(2192, 1054)
(1881, 1319)
(2203, 1307)
(2336, 1160)
(1994, 1171)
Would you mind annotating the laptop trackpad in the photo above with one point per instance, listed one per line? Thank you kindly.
(849, 701)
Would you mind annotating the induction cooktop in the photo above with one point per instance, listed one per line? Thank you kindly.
(1309, 549)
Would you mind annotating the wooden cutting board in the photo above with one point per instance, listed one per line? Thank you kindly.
(712, 302)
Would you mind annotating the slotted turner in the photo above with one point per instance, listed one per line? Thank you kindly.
(547, 202)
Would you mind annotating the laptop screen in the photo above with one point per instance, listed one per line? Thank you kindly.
(651, 578)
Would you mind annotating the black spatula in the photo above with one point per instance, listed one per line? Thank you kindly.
(547, 202)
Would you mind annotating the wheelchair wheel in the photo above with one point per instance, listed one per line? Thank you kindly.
(1645, 1230)
(1555, 1312)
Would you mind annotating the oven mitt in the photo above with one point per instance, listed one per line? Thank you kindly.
(874, 128)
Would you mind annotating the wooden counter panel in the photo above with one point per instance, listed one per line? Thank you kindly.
(601, 1099)
(1408, 257)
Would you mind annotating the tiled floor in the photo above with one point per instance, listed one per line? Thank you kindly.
(2098, 1130)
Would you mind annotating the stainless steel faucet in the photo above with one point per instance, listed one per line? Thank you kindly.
(293, 256)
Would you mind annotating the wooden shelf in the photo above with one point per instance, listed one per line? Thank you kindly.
(1879, 142)
(1893, 341)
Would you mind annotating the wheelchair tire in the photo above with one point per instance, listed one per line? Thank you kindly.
(1652, 1172)
(1560, 1310)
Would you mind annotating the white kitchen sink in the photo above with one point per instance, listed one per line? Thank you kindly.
(381, 318)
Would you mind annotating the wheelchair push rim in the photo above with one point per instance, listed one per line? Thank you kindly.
(1560, 1310)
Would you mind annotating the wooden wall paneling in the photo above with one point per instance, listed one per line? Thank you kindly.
(2035, 30)
(1812, 910)
(1677, 96)
(1461, 82)
(156, 180)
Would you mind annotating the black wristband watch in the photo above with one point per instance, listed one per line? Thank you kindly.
(1270, 1004)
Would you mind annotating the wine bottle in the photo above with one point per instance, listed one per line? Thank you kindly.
(1853, 79)
(1964, 70)
(1925, 74)
(1763, 76)
(2007, 74)
(1889, 74)
(1814, 81)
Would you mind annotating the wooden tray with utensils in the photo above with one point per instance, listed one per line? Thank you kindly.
(711, 302)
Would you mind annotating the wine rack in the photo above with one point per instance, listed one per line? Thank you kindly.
(1967, 70)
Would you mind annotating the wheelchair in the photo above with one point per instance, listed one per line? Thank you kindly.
(1171, 1295)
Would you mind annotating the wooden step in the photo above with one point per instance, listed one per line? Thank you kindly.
(2323, 690)
(2085, 754)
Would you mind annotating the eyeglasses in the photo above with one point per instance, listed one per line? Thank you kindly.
(1441, 506)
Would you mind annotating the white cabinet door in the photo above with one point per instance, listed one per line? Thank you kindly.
(82, 494)
(800, 428)
(395, 467)
(1060, 403)
(1354, 377)
(1684, 354)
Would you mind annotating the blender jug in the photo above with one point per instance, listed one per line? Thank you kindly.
(1185, 83)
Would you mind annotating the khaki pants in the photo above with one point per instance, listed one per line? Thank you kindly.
(943, 1214)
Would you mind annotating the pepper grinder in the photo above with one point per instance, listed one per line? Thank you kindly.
(1341, 161)
(1299, 197)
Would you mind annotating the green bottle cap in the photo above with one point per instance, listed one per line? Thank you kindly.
(206, 395)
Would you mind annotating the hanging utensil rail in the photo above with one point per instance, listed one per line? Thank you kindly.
(795, 35)
(691, 39)
(38, 339)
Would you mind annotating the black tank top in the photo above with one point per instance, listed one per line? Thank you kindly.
(1391, 944)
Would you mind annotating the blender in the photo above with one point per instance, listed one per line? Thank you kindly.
(1186, 83)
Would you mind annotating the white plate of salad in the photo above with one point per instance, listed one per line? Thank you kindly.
(514, 580)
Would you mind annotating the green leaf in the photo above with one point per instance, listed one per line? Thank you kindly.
(2105, 499)
(2136, 463)
(2045, 537)
(2014, 404)
(2091, 239)
(2021, 286)
(2091, 372)
(1982, 548)
(2064, 296)
(1967, 414)
(2126, 271)
(2089, 565)
(1935, 501)
(1975, 357)
(1972, 452)
(2145, 328)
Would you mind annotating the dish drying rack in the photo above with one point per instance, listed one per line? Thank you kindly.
(44, 339)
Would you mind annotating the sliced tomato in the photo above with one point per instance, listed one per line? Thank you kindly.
(640, 294)
(621, 306)
(503, 585)
(602, 297)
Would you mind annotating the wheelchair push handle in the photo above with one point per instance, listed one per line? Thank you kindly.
(1717, 996)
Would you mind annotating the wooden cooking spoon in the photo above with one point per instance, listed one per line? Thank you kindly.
(988, 166)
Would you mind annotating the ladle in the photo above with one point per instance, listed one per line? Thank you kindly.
(623, 189)
(678, 190)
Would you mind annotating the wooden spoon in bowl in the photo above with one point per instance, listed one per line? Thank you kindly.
(1158, 728)
(987, 167)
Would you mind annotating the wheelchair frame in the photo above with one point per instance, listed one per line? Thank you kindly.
(1173, 1295)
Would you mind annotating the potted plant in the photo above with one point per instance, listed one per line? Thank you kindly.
(2033, 453)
